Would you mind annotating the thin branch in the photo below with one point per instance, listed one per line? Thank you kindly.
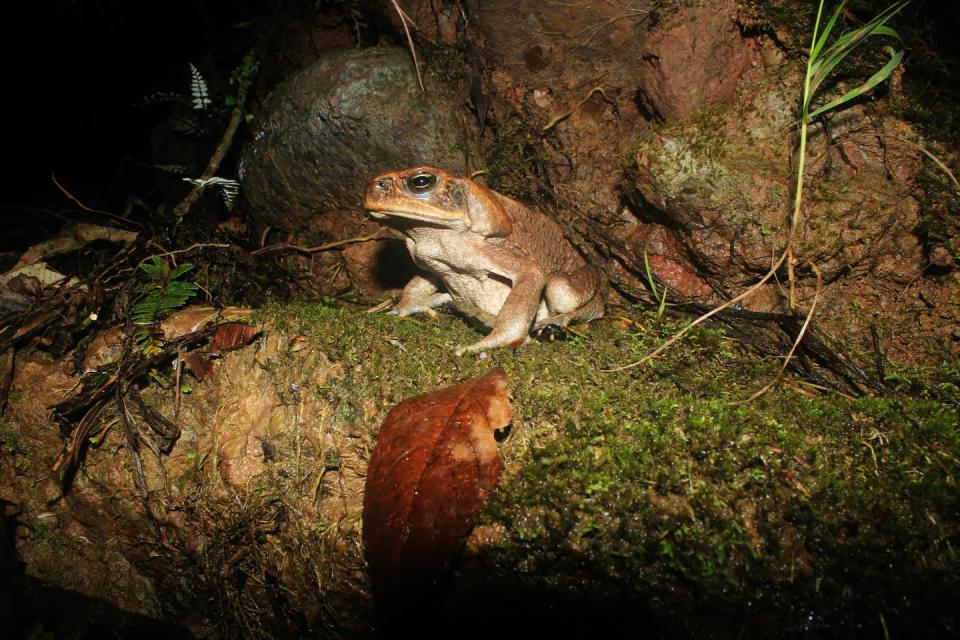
(194, 246)
(318, 248)
(796, 343)
(404, 19)
(563, 116)
(930, 155)
(76, 201)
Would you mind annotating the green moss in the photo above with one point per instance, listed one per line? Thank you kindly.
(12, 445)
(444, 65)
(675, 483)
(653, 482)
(514, 158)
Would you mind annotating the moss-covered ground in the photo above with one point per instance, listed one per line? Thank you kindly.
(653, 498)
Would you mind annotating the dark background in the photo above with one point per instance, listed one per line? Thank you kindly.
(76, 71)
(76, 76)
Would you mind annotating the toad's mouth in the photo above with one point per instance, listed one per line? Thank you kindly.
(386, 215)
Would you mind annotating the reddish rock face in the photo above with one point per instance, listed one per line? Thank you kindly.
(694, 61)
(667, 259)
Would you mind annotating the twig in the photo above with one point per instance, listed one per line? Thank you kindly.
(263, 235)
(196, 245)
(76, 201)
(563, 116)
(383, 305)
(702, 318)
(796, 343)
(930, 155)
(819, 387)
(132, 446)
(322, 247)
(178, 367)
(404, 18)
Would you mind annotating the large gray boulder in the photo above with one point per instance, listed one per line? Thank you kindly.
(331, 126)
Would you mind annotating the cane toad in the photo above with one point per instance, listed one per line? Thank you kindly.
(497, 260)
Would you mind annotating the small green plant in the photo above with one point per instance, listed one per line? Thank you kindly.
(660, 296)
(240, 78)
(11, 444)
(199, 92)
(823, 59)
(162, 293)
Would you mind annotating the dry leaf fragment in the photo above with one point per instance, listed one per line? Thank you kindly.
(6, 377)
(197, 364)
(232, 335)
(434, 464)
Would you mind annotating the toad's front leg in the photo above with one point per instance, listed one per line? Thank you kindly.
(420, 296)
(516, 315)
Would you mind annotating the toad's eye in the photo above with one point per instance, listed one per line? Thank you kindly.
(422, 183)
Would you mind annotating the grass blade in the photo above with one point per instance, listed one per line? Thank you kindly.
(818, 46)
(874, 80)
(821, 67)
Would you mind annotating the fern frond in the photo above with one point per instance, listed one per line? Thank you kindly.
(229, 191)
(180, 270)
(228, 188)
(198, 89)
(160, 295)
(157, 268)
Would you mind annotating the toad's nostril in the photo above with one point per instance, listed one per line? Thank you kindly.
(382, 185)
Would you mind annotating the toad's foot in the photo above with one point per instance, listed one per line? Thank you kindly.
(483, 345)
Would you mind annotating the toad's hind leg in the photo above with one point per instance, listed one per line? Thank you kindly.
(573, 297)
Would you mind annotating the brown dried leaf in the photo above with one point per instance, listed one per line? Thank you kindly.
(232, 335)
(28, 286)
(188, 320)
(434, 464)
(71, 238)
(197, 364)
(195, 318)
(105, 348)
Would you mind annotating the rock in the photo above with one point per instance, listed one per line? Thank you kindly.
(332, 125)
(667, 261)
(434, 21)
(558, 45)
(378, 267)
(692, 61)
(548, 60)
(940, 256)
(722, 183)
